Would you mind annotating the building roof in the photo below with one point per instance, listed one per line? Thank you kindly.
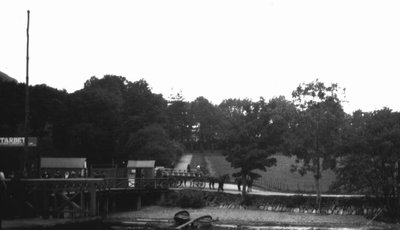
(140, 164)
(62, 162)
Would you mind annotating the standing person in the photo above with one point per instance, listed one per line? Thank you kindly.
(221, 182)
(250, 185)
(3, 194)
(238, 182)
(211, 182)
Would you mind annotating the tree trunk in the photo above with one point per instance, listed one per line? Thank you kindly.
(318, 197)
(396, 185)
(317, 177)
(244, 184)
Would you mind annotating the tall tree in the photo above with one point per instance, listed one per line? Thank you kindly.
(12, 101)
(370, 157)
(206, 118)
(152, 142)
(280, 113)
(142, 107)
(180, 122)
(245, 137)
(316, 131)
(95, 117)
(49, 115)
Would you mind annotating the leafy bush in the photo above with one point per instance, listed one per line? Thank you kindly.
(296, 201)
(248, 201)
(191, 199)
(170, 200)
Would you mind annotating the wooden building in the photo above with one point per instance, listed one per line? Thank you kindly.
(140, 169)
(62, 167)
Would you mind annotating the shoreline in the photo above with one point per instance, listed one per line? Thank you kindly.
(250, 217)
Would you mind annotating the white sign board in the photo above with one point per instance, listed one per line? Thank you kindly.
(17, 141)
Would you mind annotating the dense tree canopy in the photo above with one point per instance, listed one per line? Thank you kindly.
(111, 120)
(95, 122)
(370, 157)
(151, 143)
(11, 100)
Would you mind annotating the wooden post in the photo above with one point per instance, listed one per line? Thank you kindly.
(26, 125)
(98, 205)
(162, 198)
(45, 202)
(113, 204)
(56, 213)
(107, 204)
(92, 211)
(139, 202)
(82, 202)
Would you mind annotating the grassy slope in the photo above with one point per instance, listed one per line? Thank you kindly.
(275, 178)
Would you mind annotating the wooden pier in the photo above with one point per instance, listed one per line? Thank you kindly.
(80, 197)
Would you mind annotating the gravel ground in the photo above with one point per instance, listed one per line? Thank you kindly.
(255, 217)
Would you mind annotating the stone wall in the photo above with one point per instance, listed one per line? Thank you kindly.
(366, 206)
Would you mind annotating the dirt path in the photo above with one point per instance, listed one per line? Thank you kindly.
(210, 169)
(183, 162)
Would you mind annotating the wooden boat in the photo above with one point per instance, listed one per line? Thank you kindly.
(202, 222)
(181, 217)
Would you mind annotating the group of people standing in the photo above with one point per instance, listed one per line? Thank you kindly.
(249, 183)
(57, 174)
(220, 180)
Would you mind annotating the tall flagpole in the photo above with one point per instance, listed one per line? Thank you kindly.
(25, 156)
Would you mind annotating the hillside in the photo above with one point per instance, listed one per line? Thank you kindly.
(275, 178)
(5, 78)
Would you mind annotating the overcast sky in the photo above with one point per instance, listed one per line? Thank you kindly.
(216, 49)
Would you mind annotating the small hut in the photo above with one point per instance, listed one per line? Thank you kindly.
(62, 167)
(140, 169)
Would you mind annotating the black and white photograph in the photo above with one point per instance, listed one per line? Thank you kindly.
(212, 114)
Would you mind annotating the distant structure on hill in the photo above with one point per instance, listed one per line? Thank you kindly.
(5, 78)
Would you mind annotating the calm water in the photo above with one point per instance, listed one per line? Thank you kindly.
(235, 227)
(117, 225)
(256, 228)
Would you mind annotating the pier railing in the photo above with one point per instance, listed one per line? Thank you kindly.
(76, 196)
